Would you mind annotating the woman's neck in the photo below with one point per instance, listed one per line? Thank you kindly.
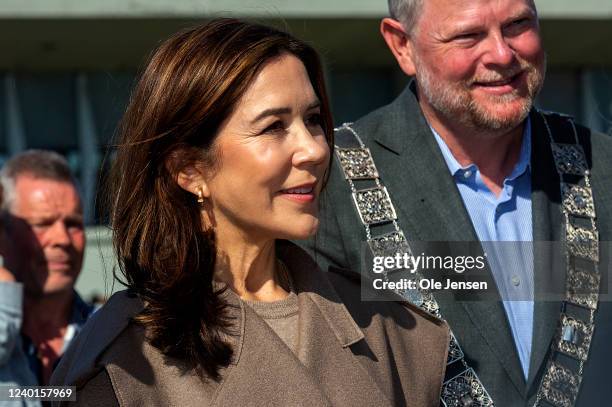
(249, 268)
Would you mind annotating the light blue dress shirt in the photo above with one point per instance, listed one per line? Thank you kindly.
(503, 225)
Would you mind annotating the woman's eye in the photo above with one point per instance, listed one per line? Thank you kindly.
(314, 119)
(274, 127)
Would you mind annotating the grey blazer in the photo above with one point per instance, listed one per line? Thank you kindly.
(430, 209)
(350, 353)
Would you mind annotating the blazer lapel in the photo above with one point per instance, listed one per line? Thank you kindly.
(324, 371)
(328, 356)
(268, 372)
(549, 264)
(430, 208)
(426, 197)
(332, 362)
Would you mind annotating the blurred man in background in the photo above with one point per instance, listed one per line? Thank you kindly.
(43, 217)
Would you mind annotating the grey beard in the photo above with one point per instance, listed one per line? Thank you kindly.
(459, 107)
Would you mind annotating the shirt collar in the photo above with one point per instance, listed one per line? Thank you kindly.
(80, 311)
(78, 316)
(524, 161)
(521, 166)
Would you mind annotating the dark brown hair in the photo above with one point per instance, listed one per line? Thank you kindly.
(189, 87)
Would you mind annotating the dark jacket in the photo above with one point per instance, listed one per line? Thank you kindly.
(350, 353)
(430, 209)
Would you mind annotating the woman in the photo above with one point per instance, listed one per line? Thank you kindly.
(223, 153)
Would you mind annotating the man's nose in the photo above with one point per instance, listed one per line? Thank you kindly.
(499, 52)
(58, 234)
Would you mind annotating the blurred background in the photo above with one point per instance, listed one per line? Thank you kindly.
(67, 68)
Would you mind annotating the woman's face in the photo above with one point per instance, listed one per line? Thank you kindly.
(272, 156)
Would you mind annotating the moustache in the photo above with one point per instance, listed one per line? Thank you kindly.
(501, 75)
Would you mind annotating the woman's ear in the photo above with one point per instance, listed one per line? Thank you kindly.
(188, 173)
(192, 180)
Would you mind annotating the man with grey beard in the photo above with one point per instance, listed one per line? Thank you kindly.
(462, 155)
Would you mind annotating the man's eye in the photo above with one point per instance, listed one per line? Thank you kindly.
(467, 39)
(74, 225)
(520, 21)
(466, 36)
(518, 26)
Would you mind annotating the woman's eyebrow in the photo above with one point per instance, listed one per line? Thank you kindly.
(282, 110)
(271, 112)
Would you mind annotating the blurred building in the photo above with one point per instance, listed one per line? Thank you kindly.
(67, 67)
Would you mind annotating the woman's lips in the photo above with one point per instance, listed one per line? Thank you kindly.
(299, 194)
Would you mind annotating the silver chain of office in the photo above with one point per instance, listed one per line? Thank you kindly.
(561, 381)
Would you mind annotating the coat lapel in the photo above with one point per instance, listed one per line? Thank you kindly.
(324, 371)
(549, 267)
(344, 379)
(268, 372)
(426, 197)
(430, 209)
(329, 357)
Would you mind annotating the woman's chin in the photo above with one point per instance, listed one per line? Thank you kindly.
(301, 230)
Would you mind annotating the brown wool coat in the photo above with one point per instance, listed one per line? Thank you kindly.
(350, 353)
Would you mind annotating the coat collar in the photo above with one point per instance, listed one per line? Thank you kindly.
(408, 127)
(102, 328)
(311, 286)
(321, 310)
(313, 283)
